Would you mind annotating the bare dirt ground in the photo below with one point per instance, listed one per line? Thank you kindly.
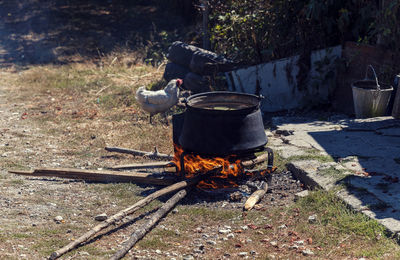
(45, 129)
(66, 93)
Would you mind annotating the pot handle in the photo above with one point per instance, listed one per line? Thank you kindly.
(376, 78)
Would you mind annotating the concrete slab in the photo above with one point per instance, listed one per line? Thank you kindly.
(276, 81)
(367, 161)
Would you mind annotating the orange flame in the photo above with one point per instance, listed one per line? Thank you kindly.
(195, 164)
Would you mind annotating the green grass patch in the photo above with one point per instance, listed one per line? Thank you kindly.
(312, 154)
(16, 182)
(152, 242)
(337, 226)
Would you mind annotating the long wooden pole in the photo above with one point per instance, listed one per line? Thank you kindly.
(96, 175)
(120, 215)
(144, 229)
(123, 213)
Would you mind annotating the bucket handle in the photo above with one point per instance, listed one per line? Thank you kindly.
(376, 78)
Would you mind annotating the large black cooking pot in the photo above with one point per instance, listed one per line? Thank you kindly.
(221, 123)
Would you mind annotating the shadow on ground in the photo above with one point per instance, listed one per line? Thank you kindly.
(40, 32)
(370, 150)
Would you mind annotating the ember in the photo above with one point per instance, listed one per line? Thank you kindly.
(195, 164)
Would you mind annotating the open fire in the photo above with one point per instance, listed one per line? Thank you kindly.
(194, 164)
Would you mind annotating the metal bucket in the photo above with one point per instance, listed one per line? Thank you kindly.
(370, 100)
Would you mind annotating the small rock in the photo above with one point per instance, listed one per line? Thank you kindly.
(312, 219)
(188, 257)
(224, 231)
(300, 242)
(249, 240)
(230, 235)
(58, 219)
(224, 239)
(284, 132)
(273, 243)
(301, 194)
(227, 255)
(242, 254)
(236, 196)
(22, 255)
(101, 217)
(252, 252)
(197, 251)
(175, 211)
(211, 242)
(244, 227)
(34, 224)
(83, 253)
(307, 252)
(294, 247)
(282, 226)
(158, 251)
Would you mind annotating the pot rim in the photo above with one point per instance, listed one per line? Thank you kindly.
(252, 104)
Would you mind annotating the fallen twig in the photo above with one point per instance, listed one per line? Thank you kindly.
(142, 231)
(103, 176)
(151, 155)
(255, 197)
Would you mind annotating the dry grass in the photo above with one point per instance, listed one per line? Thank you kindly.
(92, 104)
(73, 111)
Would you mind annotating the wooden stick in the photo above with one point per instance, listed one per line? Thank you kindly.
(259, 159)
(152, 155)
(255, 197)
(102, 176)
(152, 165)
(144, 229)
(123, 213)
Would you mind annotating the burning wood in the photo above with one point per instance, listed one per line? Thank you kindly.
(191, 164)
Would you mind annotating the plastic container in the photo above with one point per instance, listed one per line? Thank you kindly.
(370, 100)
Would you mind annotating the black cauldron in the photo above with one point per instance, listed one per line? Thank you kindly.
(220, 123)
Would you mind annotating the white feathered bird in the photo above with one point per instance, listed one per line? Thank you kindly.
(154, 102)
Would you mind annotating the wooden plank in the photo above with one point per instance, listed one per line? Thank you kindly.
(102, 176)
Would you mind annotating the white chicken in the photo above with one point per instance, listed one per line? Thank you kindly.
(154, 102)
